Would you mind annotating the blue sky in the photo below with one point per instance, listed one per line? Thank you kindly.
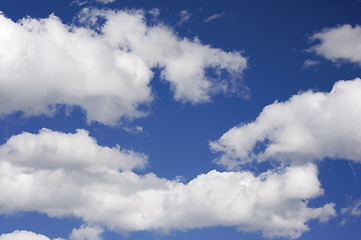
(131, 119)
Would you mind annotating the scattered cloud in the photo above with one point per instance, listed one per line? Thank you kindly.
(341, 43)
(155, 12)
(353, 210)
(37, 173)
(105, 1)
(185, 16)
(309, 126)
(106, 69)
(79, 2)
(310, 63)
(86, 233)
(214, 17)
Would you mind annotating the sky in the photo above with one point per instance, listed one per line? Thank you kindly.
(166, 120)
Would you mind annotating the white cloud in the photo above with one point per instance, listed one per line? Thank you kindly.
(53, 150)
(214, 17)
(86, 233)
(339, 43)
(36, 175)
(310, 63)
(309, 126)
(184, 62)
(105, 69)
(23, 235)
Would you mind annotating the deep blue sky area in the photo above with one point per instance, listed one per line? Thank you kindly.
(274, 37)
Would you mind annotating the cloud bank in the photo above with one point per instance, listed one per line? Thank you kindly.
(35, 175)
(309, 126)
(106, 68)
(341, 43)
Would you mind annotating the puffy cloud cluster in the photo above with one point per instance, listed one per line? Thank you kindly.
(41, 178)
(339, 43)
(309, 126)
(105, 69)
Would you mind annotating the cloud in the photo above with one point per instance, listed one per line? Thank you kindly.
(354, 210)
(310, 63)
(341, 43)
(106, 69)
(36, 175)
(214, 17)
(351, 212)
(86, 233)
(309, 126)
(23, 235)
(105, 1)
(185, 16)
(83, 233)
(53, 150)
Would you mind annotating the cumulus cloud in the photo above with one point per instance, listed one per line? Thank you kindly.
(36, 175)
(23, 235)
(86, 233)
(106, 69)
(339, 43)
(309, 126)
(53, 150)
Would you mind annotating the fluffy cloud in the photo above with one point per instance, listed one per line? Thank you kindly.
(23, 235)
(53, 150)
(36, 175)
(339, 43)
(86, 233)
(309, 126)
(105, 69)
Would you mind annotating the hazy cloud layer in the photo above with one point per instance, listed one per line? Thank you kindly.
(41, 178)
(339, 43)
(106, 69)
(310, 125)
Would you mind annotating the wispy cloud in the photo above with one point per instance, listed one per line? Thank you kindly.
(310, 63)
(214, 17)
(185, 16)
